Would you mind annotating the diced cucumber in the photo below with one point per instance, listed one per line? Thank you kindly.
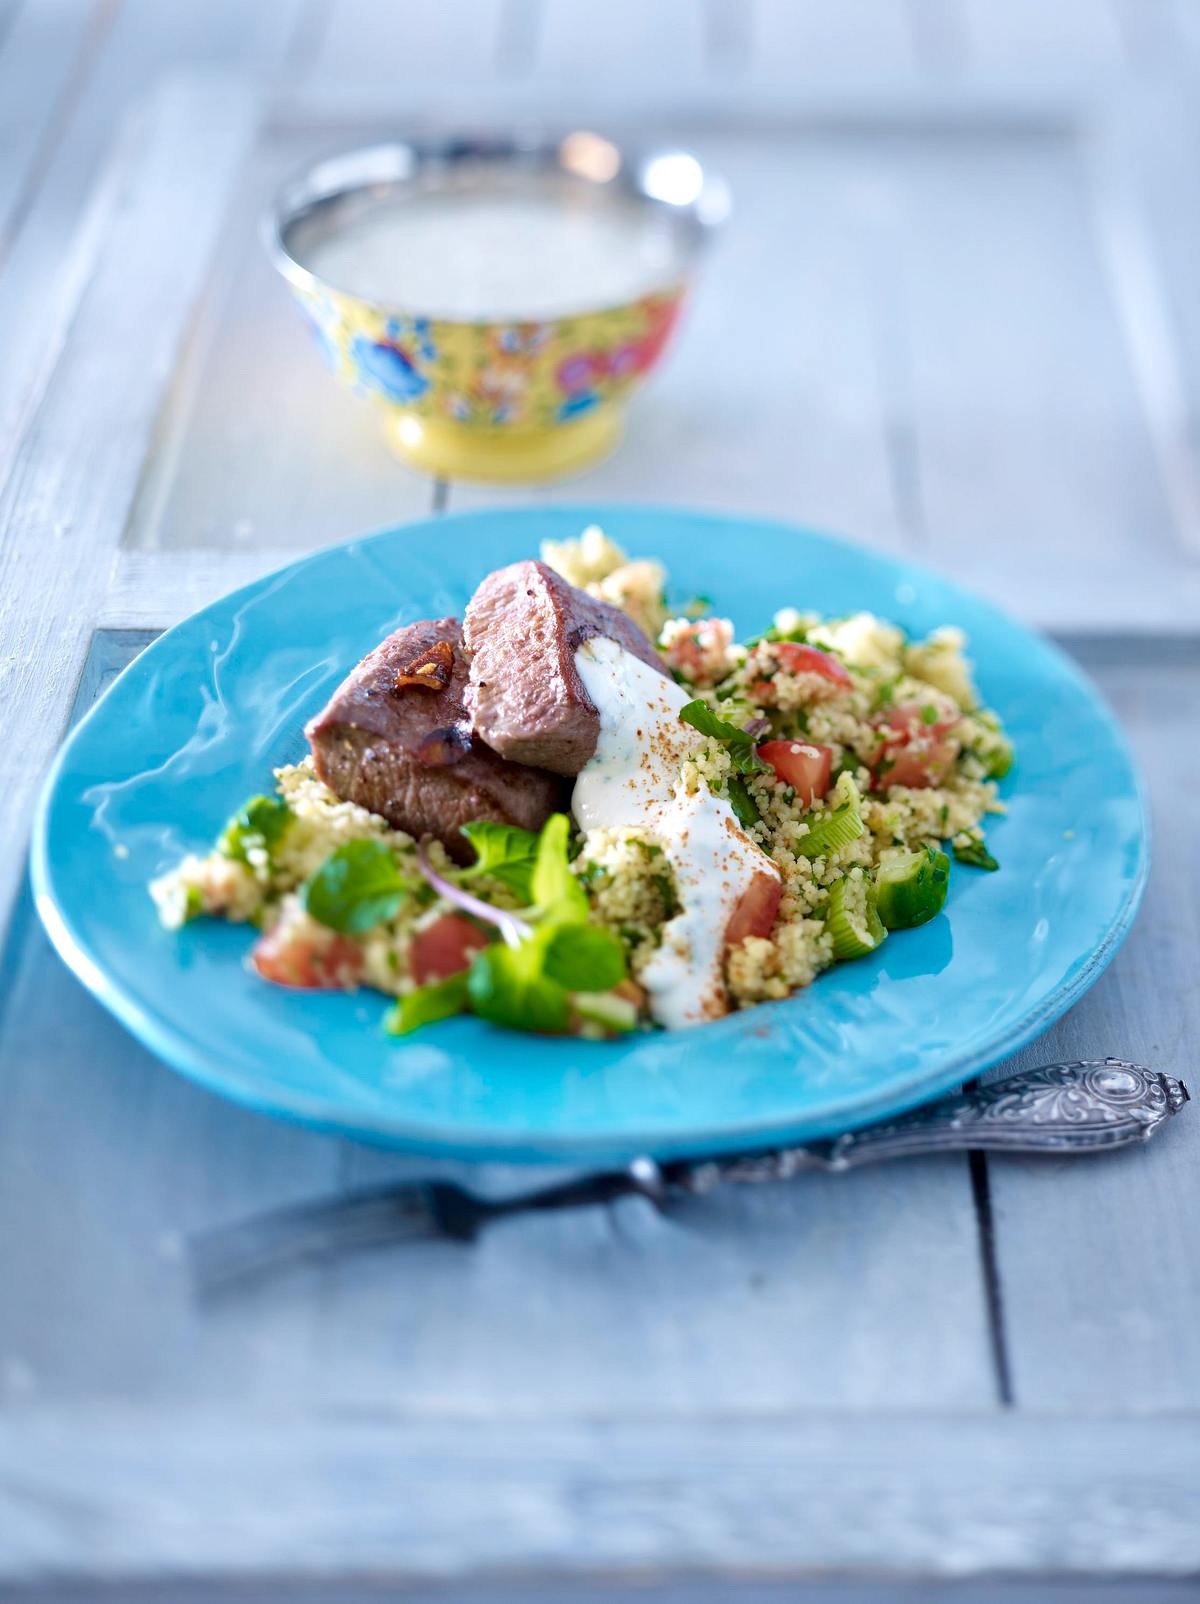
(852, 919)
(910, 887)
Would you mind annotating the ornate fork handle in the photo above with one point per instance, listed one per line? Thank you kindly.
(1062, 1108)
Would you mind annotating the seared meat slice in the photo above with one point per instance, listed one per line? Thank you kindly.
(522, 627)
(395, 738)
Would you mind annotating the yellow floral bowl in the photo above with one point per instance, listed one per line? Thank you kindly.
(501, 397)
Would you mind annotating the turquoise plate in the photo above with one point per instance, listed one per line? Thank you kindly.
(198, 721)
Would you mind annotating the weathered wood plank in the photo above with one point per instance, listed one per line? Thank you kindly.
(802, 41)
(42, 49)
(1036, 454)
(795, 1497)
(362, 40)
(259, 448)
(64, 505)
(773, 399)
(53, 257)
(1068, 37)
(623, 45)
(1099, 1277)
(686, 1587)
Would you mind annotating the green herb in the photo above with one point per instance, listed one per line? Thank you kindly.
(976, 855)
(583, 958)
(929, 714)
(507, 986)
(743, 804)
(885, 693)
(665, 887)
(697, 607)
(261, 822)
(357, 887)
(739, 745)
(442, 999)
(505, 852)
(945, 814)
(556, 891)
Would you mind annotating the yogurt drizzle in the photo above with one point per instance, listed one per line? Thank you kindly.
(630, 782)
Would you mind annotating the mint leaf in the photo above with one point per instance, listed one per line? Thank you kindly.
(441, 999)
(556, 891)
(505, 852)
(263, 821)
(740, 745)
(357, 887)
(506, 986)
(583, 958)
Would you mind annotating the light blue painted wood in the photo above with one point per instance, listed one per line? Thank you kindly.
(259, 447)
(50, 261)
(1098, 1260)
(42, 46)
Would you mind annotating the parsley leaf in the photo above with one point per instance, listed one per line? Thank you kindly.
(263, 821)
(739, 745)
(357, 887)
(441, 999)
(976, 855)
(743, 804)
(505, 852)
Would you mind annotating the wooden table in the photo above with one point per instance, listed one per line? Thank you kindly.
(956, 316)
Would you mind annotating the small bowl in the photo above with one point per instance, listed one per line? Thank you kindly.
(523, 392)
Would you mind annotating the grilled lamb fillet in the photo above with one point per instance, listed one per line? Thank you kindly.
(395, 739)
(522, 628)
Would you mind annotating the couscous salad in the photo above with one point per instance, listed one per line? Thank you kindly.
(572, 812)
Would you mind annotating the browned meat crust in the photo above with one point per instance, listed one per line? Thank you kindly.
(522, 628)
(395, 739)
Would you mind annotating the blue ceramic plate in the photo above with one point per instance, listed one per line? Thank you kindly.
(199, 720)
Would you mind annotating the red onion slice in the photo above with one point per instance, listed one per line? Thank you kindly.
(513, 930)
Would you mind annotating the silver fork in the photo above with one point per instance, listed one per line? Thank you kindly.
(1060, 1109)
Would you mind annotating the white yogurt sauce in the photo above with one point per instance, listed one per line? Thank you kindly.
(630, 782)
(518, 256)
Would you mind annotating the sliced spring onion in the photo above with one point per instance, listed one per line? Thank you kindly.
(839, 826)
(910, 887)
(853, 920)
(605, 1008)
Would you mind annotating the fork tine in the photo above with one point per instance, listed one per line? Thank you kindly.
(228, 1255)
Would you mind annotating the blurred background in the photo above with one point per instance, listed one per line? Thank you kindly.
(954, 313)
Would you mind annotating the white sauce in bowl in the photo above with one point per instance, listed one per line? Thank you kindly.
(630, 782)
(519, 256)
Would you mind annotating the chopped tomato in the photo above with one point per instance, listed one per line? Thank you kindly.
(804, 766)
(756, 909)
(917, 751)
(798, 658)
(445, 948)
(296, 955)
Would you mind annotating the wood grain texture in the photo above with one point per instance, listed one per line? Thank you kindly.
(66, 500)
(784, 1497)
(42, 46)
(53, 257)
(259, 447)
(1099, 1260)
